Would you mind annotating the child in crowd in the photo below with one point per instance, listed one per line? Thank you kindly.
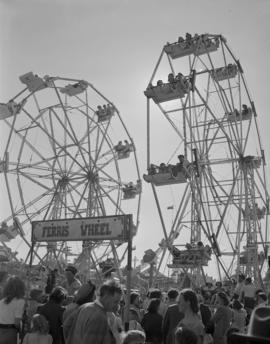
(39, 332)
(134, 337)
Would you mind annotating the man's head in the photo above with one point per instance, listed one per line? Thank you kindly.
(110, 295)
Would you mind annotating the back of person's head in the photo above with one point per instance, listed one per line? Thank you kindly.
(223, 296)
(184, 335)
(153, 305)
(155, 294)
(190, 295)
(85, 294)
(110, 287)
(133, 297)
(14, 288)
(40, 324)
(58, 295)
(134, 337)
(172, 294)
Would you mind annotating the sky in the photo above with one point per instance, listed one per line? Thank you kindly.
(115, 44)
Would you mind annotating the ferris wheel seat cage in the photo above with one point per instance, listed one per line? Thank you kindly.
(33, 82)
(74, 89)
(235, 115)
(225, 73)
(160, 179)
(198, 46)
(168, 91)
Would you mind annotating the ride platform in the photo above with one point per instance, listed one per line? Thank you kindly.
(166, 92)
(225, 73)
(73, 90)
(197, 46)
(165, 178)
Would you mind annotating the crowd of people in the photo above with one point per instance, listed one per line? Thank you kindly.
(76, 313)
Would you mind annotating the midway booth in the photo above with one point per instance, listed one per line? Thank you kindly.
(117, 227)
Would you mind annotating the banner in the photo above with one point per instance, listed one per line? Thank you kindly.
(93, 228)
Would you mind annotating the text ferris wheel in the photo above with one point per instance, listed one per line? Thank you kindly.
(66, 153)
(211, 155)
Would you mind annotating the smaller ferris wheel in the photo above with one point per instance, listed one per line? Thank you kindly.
(65, 153)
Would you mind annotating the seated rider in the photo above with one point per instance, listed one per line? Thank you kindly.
(119, 147)
(171, 78)
(162, 168)
(244, 109)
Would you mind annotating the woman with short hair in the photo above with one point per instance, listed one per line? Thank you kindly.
(11, 310)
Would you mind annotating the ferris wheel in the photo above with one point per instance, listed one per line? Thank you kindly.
(65, 153)
(205, 154)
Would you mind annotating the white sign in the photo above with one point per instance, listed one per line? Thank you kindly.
(94, 228)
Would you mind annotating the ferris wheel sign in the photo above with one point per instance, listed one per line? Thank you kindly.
(93, 228)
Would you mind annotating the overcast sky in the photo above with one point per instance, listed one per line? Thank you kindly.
(115, 44)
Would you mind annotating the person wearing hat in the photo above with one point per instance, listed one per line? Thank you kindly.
(258, 329)
(72, 284)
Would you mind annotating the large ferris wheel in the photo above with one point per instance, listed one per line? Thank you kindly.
(211, 162)
(65, 153)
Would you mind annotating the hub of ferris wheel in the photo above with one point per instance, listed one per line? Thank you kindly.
(221, 202)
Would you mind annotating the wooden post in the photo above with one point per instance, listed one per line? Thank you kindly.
(129, 270)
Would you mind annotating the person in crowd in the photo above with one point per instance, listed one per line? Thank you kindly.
(85, 294)
(184, 335)
(35, 300)
(72, 284)
(239, 287)
(218, 288)
(222, 318)
(248, 294)
(157, 294)
(135, 313)
(115, 324)
(39, 331)
(258, 331)
(91, 324)
(261, 299)
(205, 310)
(53, 311)
(152, 322)
(239, 316)
(172, 317)
(11, 310)
(188, 304)
(134, 337)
